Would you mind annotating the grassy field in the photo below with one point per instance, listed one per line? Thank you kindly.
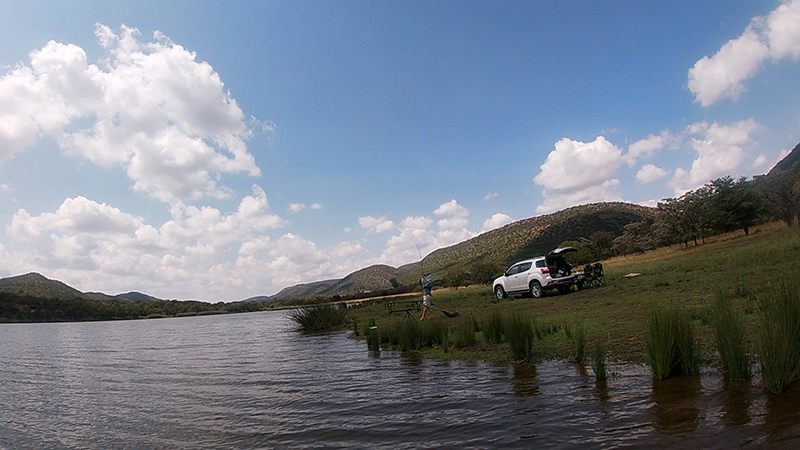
(738, 267)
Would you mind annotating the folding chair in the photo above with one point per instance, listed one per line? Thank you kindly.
(587, 279)
(598, 276)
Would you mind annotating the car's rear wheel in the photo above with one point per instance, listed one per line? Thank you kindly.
(499, 292)
(536, 289)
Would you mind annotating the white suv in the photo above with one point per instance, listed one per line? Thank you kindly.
(537, 275)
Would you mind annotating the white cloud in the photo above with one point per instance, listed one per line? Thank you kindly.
(649, 173)
(490, 196)
(150, 108)
(375, 225)
(646, 147)
(722, 76)
(720, 149)
(496, 221)
(451, 208)
(103, 248)
(5, 188)
(316, 206)
(579, 172)
(759, 161)
(295, 208)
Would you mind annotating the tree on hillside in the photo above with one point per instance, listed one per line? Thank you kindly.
(484, 272)
(735, 205)
(782, 195)
(635, 239)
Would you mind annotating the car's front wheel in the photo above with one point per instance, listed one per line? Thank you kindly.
(536, 289)
(499, 292)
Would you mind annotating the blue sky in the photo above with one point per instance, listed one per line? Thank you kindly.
(222, 150)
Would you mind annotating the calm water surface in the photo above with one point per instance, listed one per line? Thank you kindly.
(249, 381)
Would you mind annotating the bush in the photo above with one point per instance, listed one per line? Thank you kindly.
(318, 317)
(779, 333)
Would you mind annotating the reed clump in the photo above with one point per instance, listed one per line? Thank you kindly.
(669, 343)
(729, 334)
(464, 333)
(409, 335)
(493, 328)
(779, 335)
(319, 317)
(434, 333)
(580, 343)
(599, 361)
(519, 333)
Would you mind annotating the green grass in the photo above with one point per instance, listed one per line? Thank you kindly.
(779, 331)
(670, 344)
(520, 335)
(729, 333)
(742, 267)
(493, 328)
(599, 361)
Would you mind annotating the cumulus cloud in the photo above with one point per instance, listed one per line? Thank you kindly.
(150, 107)
(496, 221)
(579, 172)
(99, 246)
(490, 196)
(719, 148)
(648, 146)
(722, 76)
(451, 208)
(649, 173)
(376, 224)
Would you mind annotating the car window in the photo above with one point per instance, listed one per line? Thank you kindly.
(541, 263)
(512, 270)
(524, 267)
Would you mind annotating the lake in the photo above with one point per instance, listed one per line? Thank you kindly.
(249, 381)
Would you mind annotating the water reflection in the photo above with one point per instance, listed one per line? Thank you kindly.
(782, 418)
(736, 400)
(675, 407)
(523, 381)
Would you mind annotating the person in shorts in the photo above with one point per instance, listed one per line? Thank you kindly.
(426, 282)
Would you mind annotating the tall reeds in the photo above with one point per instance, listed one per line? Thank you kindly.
(464, 333)
(519, 334)
(409, 335)
(599, 361)
(729, 333)
(669, 342)
(779, 333)
(318, 317)
(580, 343)
(493, 328)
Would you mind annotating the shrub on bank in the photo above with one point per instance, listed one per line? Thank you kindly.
(319, 317)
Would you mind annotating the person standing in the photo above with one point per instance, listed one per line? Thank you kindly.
(427, 283)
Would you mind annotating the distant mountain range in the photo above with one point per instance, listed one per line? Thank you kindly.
(503, 246)
(37, 285)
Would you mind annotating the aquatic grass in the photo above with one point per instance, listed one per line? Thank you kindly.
(519, 334)
(464, 333)
(599, 361)
(493, 328)
(434, 332)
(729, 332)
(669, 343)
(409, 335)
(779, 335)
(580, 343)
(318, 317)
